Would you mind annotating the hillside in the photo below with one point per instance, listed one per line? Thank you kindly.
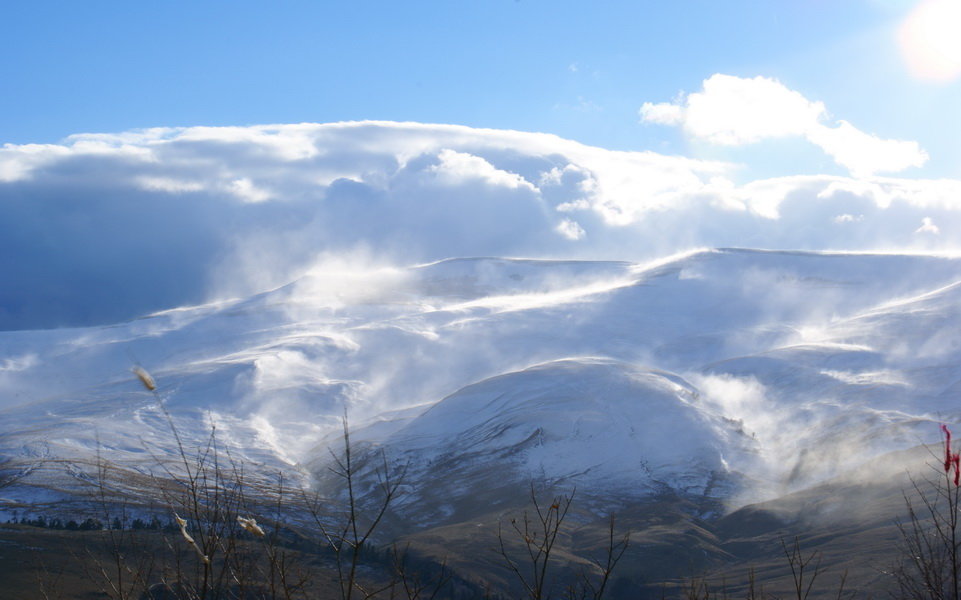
(718, 378)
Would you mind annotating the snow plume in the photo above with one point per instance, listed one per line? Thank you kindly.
(106, 227)
(799, 441)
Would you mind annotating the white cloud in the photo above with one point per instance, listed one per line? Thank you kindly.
(17, 162)
(928, 226)
(169, 184)
(864, 154)
(570, 229)
(245, 189)
(662, 113)
(455, 168)
(119, 225)
(735, 111)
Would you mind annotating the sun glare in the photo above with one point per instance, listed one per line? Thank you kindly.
(930, 40)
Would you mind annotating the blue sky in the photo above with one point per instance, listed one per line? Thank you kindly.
(578, 69)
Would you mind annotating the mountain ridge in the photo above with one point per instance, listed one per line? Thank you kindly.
(752, 332)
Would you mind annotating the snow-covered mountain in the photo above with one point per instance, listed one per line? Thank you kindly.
(728, 374)
(107, 227)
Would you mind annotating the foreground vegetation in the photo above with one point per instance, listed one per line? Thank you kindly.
(206, 529)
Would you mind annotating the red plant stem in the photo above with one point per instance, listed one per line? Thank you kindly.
(947, 447)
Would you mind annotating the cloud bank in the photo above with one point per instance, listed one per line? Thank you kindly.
(104, 227)
(734, 111)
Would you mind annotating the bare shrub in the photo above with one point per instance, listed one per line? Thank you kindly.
(930, 564)
(349, 534)
(538, 533)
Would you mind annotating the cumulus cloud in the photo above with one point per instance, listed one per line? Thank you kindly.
(928, 226)
(862, 153)
(105, 227)
(456, 168)
(570, 229)
(662, 113)
(734, 111)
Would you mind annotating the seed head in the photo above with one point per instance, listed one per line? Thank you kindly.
(250, 524)
(145, 378)
(190, 540)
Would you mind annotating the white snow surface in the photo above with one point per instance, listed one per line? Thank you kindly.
(606, 423)
(728, 373)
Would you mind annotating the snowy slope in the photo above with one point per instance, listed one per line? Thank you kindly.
(606, 427)
(719, 372)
